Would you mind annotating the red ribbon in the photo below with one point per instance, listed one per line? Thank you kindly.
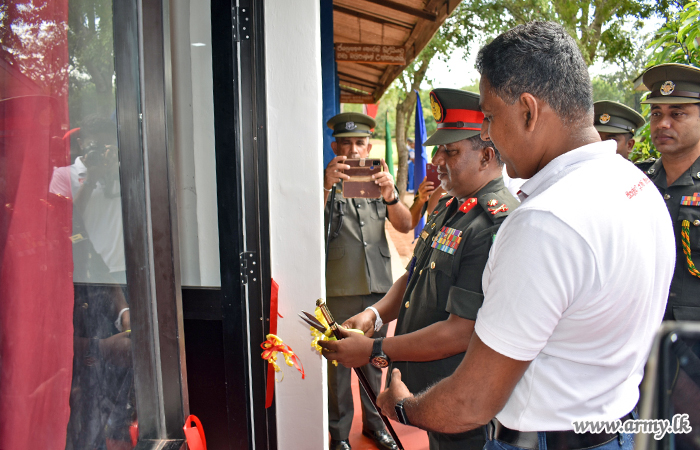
(270, 389)
(270, 347)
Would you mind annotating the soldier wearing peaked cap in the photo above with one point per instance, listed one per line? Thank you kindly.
(675, 132)
(618, 122)
(437, 299)
(359, 266)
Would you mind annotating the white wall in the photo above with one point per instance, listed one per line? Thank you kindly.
(293, 61)
(193, 128)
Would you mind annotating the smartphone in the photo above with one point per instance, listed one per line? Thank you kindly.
(361, 184)
(432, 174)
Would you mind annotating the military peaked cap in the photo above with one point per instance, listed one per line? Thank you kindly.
(457, 114)
(351, 124)
(614, 117)
(672, 84)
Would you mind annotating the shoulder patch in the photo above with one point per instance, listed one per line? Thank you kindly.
(498, 205)
(646, 164)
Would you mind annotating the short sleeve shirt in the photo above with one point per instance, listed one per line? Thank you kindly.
(569, 287)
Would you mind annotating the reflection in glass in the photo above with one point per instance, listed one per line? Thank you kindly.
(66, 380)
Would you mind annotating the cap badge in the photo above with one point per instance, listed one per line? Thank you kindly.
(350, 125)
(667, 88)
(604, 118)
(436, 107)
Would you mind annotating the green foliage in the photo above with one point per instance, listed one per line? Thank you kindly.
(677, 41)
(91, 54)
(32, 40)
(600, 28)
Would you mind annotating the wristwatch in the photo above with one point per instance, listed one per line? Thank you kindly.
(401, 413)
(378, 359)
(395, 200)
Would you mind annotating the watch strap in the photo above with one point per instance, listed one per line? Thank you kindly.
(395, 200)
(377, 347)
(401, 412)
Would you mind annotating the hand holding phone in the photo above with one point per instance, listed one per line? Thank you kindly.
(360, 184)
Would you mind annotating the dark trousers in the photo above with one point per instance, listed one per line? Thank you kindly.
(340, 404)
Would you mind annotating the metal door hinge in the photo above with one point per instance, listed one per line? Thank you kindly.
(248, 266)
(240, 16)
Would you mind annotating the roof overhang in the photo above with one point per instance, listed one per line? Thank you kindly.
(376, 39)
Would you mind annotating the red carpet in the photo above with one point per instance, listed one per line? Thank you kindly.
(411, 438)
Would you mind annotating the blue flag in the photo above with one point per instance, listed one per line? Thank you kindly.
(421, 157)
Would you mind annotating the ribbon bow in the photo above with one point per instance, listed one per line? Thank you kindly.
(274, 345)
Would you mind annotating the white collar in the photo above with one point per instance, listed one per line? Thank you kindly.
(563, 165)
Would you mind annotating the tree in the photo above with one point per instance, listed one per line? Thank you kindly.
(455, 32)
(91, 46)
(597, 26)
(601, 29)
(32, 39)
(678, 41)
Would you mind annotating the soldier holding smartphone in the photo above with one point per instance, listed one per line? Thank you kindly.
(358, 273)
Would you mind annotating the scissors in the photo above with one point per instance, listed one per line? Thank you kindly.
(312, 321)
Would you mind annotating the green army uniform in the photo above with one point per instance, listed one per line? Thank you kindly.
(684, 295)
(679, 84)
(449, 258)
(358, 275)
(446, 279)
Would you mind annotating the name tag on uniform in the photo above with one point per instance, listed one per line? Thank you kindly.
(691, 200)
(447, 240)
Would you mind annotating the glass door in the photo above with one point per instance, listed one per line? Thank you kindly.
(91, 350)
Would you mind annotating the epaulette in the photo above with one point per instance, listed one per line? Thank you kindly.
(498, 204)
(646, 164)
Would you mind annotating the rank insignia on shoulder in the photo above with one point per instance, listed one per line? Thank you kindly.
(502, 208)
(492, 202)
(447, 240)
(468, 205)
(691, 200)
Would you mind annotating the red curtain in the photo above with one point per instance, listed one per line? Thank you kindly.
(36, 282)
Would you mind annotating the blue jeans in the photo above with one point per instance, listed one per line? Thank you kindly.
(626, 443)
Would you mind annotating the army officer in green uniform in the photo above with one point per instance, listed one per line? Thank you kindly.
(358, 273)
(617, 122)
(437, 299)
(675, 132)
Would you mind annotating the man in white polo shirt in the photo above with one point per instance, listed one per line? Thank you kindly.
(572, 301)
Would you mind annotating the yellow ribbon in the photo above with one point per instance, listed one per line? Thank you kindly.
(325, 336)
(274, 345)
